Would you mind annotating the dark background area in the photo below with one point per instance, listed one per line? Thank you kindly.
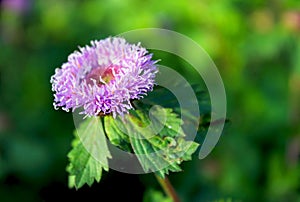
(254, 44)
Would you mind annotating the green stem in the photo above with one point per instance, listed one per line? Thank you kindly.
(168, 188)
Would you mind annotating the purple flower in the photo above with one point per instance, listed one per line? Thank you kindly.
(103, 78)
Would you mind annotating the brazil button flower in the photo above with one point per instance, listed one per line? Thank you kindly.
(104, 77)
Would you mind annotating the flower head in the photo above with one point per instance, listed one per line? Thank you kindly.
(103, 78)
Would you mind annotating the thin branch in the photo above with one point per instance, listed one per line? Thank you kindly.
(168, 188)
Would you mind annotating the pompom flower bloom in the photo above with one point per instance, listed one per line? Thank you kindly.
(103, 78)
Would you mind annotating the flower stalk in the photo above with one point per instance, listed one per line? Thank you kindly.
(168, 188)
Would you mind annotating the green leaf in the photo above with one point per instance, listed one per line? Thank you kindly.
(152, 195)
(157, 140)
(114, 133)
(89, 154)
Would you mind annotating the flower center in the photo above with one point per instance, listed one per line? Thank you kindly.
(101, 77)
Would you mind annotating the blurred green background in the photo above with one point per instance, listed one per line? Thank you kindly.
(255, 45)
